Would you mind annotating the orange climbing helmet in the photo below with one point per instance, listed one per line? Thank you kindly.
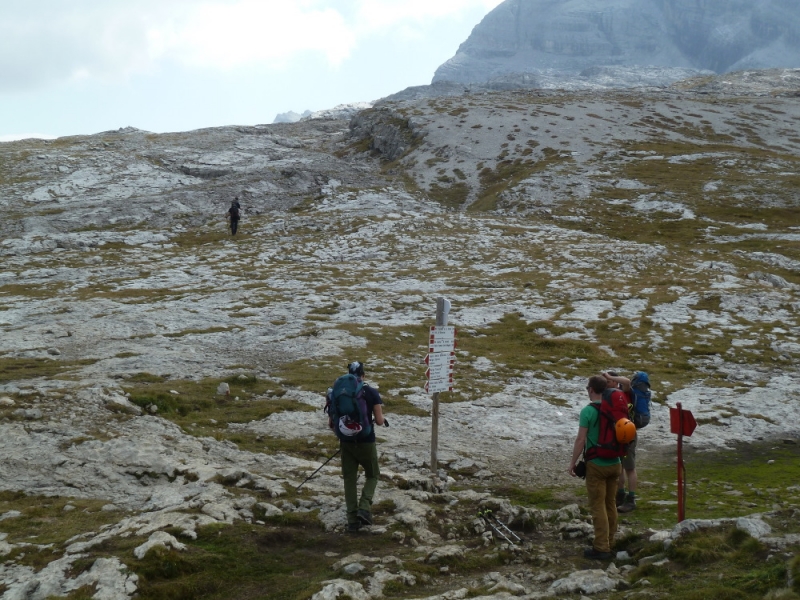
(626, 431)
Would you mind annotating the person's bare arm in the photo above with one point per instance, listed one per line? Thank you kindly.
(618, 379)
(577, 449)
(378, 411)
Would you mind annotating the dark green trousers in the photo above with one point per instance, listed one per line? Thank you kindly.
(353, 455)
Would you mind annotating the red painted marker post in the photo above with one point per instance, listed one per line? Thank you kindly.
(681, 422)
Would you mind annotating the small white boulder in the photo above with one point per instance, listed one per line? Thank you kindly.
(158, 539)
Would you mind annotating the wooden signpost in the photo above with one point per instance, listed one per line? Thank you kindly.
(439, 374)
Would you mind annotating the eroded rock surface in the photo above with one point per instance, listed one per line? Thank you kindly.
(117, 269)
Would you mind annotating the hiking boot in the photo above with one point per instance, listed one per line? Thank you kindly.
(364, 517)
(353, 527)
(629, 505)
(596, 554)
(620, 497)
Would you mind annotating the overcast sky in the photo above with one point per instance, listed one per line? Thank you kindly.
(84, 66)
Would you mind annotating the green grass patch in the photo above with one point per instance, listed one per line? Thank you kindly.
(44, 521)
(509, 173)
(514, 346)
(284, 560)
(200, 411)
(714, 563)
(538, 498)
(199, 237)
(392, 358)
(311, 449)
(199, 331)
(724, 483)
(18, 369)
(33, 291)
(130, 295)
(450, 196)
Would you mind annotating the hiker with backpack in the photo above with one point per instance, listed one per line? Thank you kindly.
(233, 214)
(353, 407)
(637, 391)
(597, 440)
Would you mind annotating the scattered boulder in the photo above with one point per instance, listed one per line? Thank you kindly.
(159, 539)
(752, 525)
(29, 414)
(353, 568)
(221, 512)
(270, 510)
(445, 552)
(122, 404)
(341, 587)
(497, 582)
(593, 581)
(775, 281)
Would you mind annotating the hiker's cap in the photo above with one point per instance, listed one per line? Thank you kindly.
(356, 368)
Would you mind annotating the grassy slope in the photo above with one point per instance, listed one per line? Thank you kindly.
(287, 558)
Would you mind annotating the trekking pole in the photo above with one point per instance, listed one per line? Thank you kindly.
(503, 525)
(488, 515)
(493, 528)
(317, 471)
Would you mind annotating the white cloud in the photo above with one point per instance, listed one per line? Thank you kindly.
(42, 41)
(389, 13)
(232, 34)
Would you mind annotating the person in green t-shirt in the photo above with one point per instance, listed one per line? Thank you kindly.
(601, 474)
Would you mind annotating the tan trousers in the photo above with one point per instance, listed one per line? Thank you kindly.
(601, 484)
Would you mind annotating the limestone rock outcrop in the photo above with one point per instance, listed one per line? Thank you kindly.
(573, 37)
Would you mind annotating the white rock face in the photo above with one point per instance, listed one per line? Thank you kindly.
(581, 38)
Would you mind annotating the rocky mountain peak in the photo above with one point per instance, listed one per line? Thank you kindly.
(568, 37)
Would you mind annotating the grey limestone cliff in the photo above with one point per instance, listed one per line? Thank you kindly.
(548, 37)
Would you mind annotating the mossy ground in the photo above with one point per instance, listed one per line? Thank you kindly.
(289, 557)
(17, 369)
(712, 564)
(201, 411)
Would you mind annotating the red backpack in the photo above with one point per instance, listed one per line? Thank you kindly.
(612, 408)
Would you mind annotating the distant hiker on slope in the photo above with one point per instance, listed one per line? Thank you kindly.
(352, 406)
(233, 214)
